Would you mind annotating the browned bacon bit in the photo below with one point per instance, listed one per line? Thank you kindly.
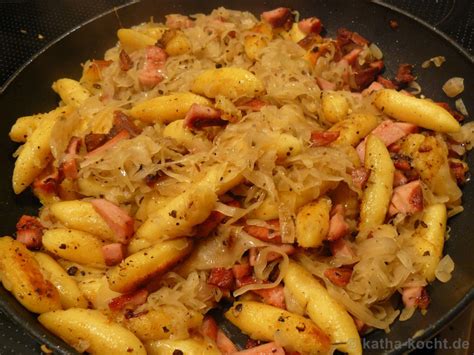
(321, 139)
(364, 77)
(404, 74)
(360, 176)
(387, 83)
(123, 122)
(267, 234)
(399, 178)
(113, 253)
(339, 276)
(407, 199)
(416, 296)
(125, 62)
(352, 55)
(460, 170)
(200, 116)
(310, 40)
(109, 143)
(211, 223)
(343, 36)
(177, 21)
(280, 17)
(310, 25)
(393, 24)
(94, 140)
(222, 278)
(358, 39)
(116, 218)
(150, 75)
(29, 231)
(68, 167)
(401, 162)
(129, 300)
(152, 179)
(47, 185)
(457, 115)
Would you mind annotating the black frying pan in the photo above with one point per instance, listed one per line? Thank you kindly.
(413, 42)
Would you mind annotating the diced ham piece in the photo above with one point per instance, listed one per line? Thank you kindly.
(404, 74)
(241, 270)
(123, 122)
(321, 139)
(113, 253)
(338, 226)
(415, 297)
(280, 17)
(177, 21)
(407, 199)
(222, 278)
(224, 344)
(69, 167)
(264, 349)
(29, 231)
(360, 176)
(399, 178)
(151, 75)
(116, 218)
(109, 144)
(267, 234)
(274, 296)
(389, 132)
(310, 25)
(129, 300)
(125, 62)
(325, 84)
(375, 86)
(341, 248)
(200, 116)
(339, 276)
(209, 328)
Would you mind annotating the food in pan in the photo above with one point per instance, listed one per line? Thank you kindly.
(224, 161)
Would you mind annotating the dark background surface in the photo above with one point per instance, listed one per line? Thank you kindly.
(28, 26)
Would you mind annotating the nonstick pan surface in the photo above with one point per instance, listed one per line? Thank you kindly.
(413, 42)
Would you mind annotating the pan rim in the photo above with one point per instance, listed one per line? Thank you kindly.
(427, 333)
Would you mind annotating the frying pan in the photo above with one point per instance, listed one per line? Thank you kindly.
(28, 91)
